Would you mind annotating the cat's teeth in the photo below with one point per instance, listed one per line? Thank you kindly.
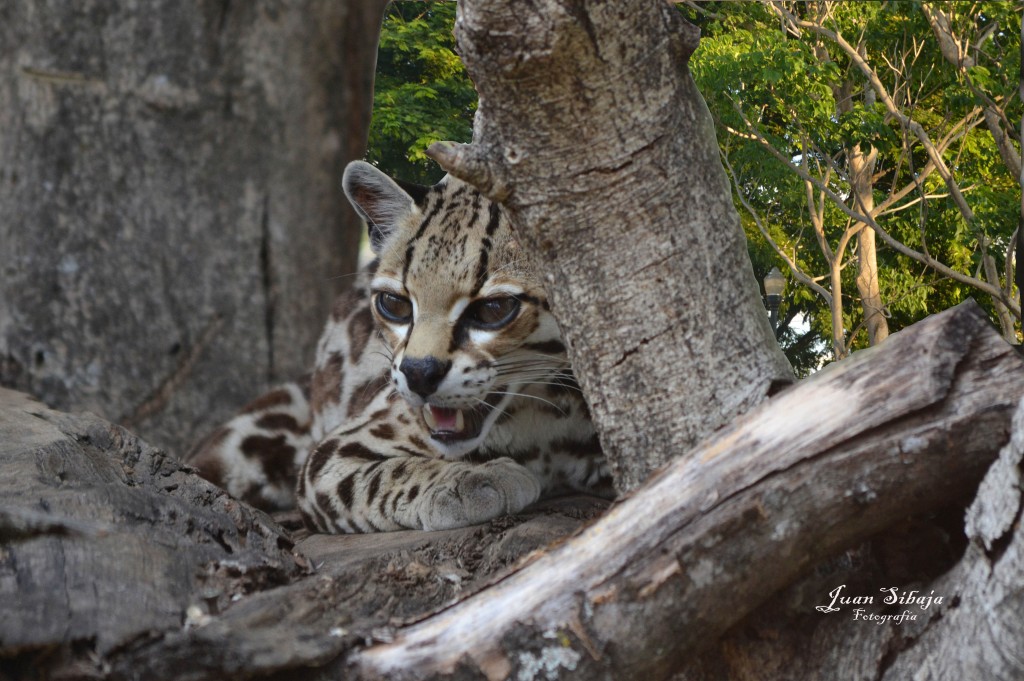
(428, 416)
(444, 419)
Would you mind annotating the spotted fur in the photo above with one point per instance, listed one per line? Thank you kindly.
(441, 395)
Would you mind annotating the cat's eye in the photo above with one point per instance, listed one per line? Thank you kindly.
(493, 313)
(394, 308)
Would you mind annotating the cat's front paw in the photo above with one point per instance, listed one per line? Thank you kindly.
(480, 493)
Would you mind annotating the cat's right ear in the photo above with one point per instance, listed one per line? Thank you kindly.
(379, 200)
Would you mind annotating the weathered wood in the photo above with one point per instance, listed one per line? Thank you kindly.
(365, 587)
(895, 430)
(118, 562)
(591, 130)
(172, 225)
(106, 539)
(975, 632)
(980, 631)
(163, 576)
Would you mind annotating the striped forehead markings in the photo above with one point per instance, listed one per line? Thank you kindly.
(454, 205)
(411, 246)
(485, 247)
(493, 219)
(481, 266)
(450, 224)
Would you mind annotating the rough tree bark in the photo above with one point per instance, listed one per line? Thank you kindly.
(592, 132)
(118, 562)
(106, 539)
(976, 632)
(172, 221)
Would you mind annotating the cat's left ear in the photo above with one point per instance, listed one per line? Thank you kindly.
(379, 200)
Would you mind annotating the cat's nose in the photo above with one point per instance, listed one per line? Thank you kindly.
(424, 374)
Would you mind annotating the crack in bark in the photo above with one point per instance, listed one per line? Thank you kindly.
(661, 261)
(1002, 542)
(267, 278)
(157, 400)
(901, 643)
(60, 77)
(579, 12)
(635, 349)
(64, 585)
(222, 19)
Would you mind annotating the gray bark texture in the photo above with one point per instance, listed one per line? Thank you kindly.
(977, 632)
(172, 222)
(591, 130)
(117, 562)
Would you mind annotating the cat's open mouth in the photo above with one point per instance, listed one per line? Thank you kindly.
(448, 425)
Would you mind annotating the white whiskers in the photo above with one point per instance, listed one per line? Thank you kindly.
(532, 397)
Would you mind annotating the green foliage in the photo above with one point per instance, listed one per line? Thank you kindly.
(422, 93)
(812, 108)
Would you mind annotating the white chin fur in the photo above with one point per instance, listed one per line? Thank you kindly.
(457, 450)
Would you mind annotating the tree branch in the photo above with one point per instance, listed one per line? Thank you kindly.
(995, 291)
(799, 274)
(958, 55)
(869, 73)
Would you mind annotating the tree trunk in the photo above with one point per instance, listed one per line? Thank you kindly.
(117, 562)
(835, 272)
(171, 214)
(862, 167)
(591, 130)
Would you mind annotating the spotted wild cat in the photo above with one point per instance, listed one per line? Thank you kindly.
(441, 395)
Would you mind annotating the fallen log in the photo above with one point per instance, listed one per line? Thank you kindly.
(365, 587)
(106, 540)
(971, 628)
(892, 431)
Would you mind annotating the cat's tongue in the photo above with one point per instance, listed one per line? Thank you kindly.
(442, 419)
(445, 418)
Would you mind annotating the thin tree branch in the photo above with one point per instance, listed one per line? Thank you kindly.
(872, 77)
(978, 284)
(799, 274)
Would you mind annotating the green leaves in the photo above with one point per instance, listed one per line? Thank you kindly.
(422, 93)
(799, 91)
